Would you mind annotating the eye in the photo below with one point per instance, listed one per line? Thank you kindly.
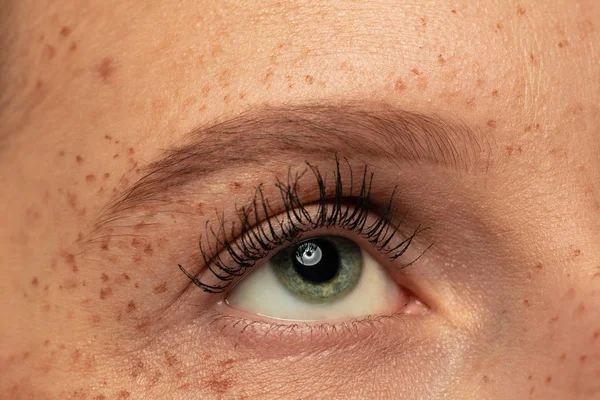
(321, 278)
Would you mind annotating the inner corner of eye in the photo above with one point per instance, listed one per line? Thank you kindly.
(324, 278)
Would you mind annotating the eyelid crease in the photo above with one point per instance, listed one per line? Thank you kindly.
(260, 234)
(367, 130)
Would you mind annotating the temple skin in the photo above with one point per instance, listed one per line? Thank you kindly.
(94, 95)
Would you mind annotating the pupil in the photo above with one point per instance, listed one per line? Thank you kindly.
(317, 260)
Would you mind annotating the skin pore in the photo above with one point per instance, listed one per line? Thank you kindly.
(96, 95)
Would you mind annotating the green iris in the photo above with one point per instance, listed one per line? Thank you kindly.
(320, 269)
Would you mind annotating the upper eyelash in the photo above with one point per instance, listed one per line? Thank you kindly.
(257, 240)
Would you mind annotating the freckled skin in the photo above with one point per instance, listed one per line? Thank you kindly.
(109, 315)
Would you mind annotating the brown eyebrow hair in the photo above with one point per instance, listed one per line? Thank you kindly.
(364, 131)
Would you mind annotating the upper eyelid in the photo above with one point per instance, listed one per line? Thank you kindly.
(364, 130)
(256, 242)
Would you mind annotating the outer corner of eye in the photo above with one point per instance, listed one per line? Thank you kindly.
(322, 279)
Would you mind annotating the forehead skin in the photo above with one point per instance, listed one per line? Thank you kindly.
(93, 89)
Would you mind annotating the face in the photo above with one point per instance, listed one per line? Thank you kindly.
(277, 200)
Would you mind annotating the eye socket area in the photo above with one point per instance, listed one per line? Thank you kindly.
(321, 279)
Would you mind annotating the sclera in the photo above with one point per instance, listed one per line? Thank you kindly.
(261, 293)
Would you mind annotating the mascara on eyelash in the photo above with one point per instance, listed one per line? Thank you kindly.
(257, 239)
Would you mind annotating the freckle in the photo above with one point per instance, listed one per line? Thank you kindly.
(143, 325)
(79, 159)
(563, 43)
(415, 71)
(399, 86)
(61, 153)
(104, 277)
(554, 319)
(576, 252)
(90, 178)
(205, 90)
(548, 379)
(580, 310)
(137, 259)
(107, 137)
(242, 95)
(124, 394)
(105, 292)
(499, 26)
(72, 200)
(422, 83)
(521, 11)
(148, 249)
(100, 397)
(131, 306)
(227, 99)
(50, 51)
(526, 303)
(268, 76)
(453, 11)
(596, 275)
(570, 295)
(137, 285)
(563, 357)
(582, 359)
(73, 47)
(309, 79)
(76, 355)
(539, 266)
(68, 284)
(532, 58)
(441, 59)
(495, 92)
(115, 156)
(95, 319)
(491, 123)
(509, 149)
(65, 31)
(160, 288)
(131, 151)
(170, 359)
(34, 281)
(596, 335)
(106, 68)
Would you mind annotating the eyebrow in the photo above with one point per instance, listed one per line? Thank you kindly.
(363, 131)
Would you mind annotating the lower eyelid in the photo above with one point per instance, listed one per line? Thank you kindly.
(287, 337)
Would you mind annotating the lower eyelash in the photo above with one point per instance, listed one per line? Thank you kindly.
(297, 330)
(343, 210)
